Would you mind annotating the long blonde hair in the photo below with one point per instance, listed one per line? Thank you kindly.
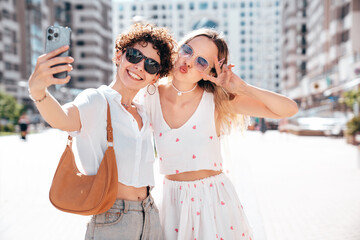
(228, 119)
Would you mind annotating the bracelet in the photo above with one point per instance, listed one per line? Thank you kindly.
(40, 100)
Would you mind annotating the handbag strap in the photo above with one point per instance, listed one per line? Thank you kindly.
(109, 129)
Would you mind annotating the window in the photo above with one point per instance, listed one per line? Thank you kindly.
(203, 5)
(67, 6)
(243, 41)
(80, 43)
(79, 7)
(121, 7)
(83, 55)
(242, 50)
(242, 59)
(81, 67)
(242, 14)
(242, 23)
(79, 31)
(225, 5)
(242, 5)
(163, 7)
(251, 50)
(7, 66)
(242, 32)
(81, 79)
(251, 4)
(215, 5)
(180, 7)
(191, 6)
(251, 67)
(134, 7)
(154, 7)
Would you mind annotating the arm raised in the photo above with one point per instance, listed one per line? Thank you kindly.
(65, 117)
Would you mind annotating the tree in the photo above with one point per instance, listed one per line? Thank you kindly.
(10, 111)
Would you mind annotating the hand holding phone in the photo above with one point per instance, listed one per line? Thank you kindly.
(56, 37)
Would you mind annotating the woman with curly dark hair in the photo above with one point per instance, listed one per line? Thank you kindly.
(143, 54)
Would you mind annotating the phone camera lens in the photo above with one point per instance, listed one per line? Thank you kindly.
(50, 30)
(50, 38)
(56, 35)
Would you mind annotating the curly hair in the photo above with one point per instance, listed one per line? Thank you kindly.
(143, 34)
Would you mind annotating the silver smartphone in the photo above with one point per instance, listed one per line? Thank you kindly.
(57, 36)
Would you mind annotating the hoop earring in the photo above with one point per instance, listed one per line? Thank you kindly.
(151, 89)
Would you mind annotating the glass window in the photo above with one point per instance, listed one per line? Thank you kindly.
(180, 7)
(79, 6)
(121, 7)
(242, 23)
(242, 5)
(191, 6)
(242, 14)
(203, 5)
(215, 5)
(242, 50)
(134, 7)
(225, 5)
(251, 67)
(242, 32)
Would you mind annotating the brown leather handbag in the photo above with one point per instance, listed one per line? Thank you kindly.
(73, 192)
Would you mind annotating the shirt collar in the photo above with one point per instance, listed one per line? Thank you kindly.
(116, 96)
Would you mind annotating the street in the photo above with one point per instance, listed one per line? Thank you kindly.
(291, 187)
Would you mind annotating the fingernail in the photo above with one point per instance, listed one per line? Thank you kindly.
(221, 61)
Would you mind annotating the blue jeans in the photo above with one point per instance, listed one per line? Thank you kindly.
(133, 220)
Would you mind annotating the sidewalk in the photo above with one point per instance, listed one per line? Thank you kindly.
(291, 188)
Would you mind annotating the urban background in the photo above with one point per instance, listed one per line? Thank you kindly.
(308, 50)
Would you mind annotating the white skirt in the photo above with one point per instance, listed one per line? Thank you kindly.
(203, 210)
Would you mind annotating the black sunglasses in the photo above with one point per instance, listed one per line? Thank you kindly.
(135, 56)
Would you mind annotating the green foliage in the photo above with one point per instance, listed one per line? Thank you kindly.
(10, 110)
(351, 97)
(353, 125)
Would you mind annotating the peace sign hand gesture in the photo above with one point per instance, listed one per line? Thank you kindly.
(226, 78)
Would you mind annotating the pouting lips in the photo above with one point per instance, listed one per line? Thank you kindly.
(183, 69)
(133, 75)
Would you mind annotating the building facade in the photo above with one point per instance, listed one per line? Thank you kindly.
(252, 30)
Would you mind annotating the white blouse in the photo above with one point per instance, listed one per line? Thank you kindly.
(133, 147)
(193, 146)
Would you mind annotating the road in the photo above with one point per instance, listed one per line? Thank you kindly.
(291, 187)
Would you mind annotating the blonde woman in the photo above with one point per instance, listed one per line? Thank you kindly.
(203, 100)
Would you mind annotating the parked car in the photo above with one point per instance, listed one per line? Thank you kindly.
(320, 121)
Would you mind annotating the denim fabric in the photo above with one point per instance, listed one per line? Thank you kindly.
(131, 220)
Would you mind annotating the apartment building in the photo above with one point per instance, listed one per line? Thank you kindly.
(252, 29)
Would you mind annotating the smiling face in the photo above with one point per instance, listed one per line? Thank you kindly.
(184, 67)
(133, 75)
